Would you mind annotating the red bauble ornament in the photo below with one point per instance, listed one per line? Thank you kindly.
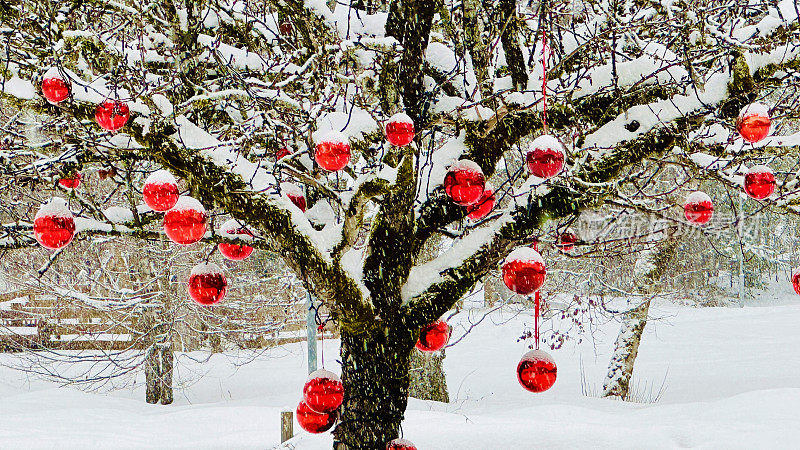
(112, 115)
(312, 421)
(71, 182)
(536, 371)
(332, 153)
(54, 224)
(286, 28)
(55, 89)
(754, 122)
(160, 191)
(464, 182)
(698, 208)
(566, 242)
(524, 271)
(759, 182)
(545, 157)
(433, 337)
(234, 230)
(400, 444)
(483, 206)
(295, 194)
(282, 152)
(207, 284)
(400, 130)
(796, 281)
(323, 391)
(185, 223)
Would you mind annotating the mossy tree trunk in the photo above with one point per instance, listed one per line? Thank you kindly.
(428, 381)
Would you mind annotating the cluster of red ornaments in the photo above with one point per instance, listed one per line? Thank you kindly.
(323, 393)
(465, 184)
(111, 115)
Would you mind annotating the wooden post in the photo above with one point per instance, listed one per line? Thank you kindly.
(287, 425)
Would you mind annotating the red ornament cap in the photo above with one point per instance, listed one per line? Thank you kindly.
(698, 208)
(400, 444)
(536, 371)
(234, 230)
(295, 194)
(524, 271)
(483, 206)
(185, 223)
(433, 337)
(160, 191)
(312, 421)
(545, 156)
(332, 151)
(759, 182)
(464, 182)
(54, 224)
(55, 89)
(400, 130)
(323, 391)
(112, 115)
(754, 122)
(71, 182)
(207, 284)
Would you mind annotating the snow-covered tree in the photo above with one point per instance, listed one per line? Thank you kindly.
(216, 89)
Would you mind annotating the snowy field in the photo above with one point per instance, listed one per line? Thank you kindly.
(729, 376)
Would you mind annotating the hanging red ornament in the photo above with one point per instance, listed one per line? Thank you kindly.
(332, 152)
(483, 206)
(545, 156)
(698, 208)
(536, 371)
(433, 337)
(185, 223)
(524, 271)
(796, 281)
(323, 391)
(759, 182)
(400, 444)
(160, 191)
(400, 130)
(54, 224)
(464, 182)
(295, 194)
(112, 115)
(312, 421)
(55, 89)
(566, 242)
(207, 284)
(286, 28)
(70, 182)
(753, 123)
(282, 152)
(234, 230)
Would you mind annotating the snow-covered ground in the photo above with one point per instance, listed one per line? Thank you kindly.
(729, 379)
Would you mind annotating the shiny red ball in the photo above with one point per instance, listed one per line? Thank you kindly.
(754, 127)
(71, 182)
(55, 90)
(545, 159)
(400, 130)
(207, 284)
(566, 242)
(433, 337)
(524, 271)
(112, 115)
(312, 421)
(323, 392)
(160, 196)
(536, 371)
(333, 154)
(464, 182)
(759, 182)
(698, 208)
(54, 232)
(235, 252)
(282, 152)
(796, 281)
(294, 194)
(400, 444)
(185, 225)
(483, 206)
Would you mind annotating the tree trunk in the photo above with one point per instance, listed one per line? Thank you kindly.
(167, 364)
(375, 376)
(427, 376)
(152, 366)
